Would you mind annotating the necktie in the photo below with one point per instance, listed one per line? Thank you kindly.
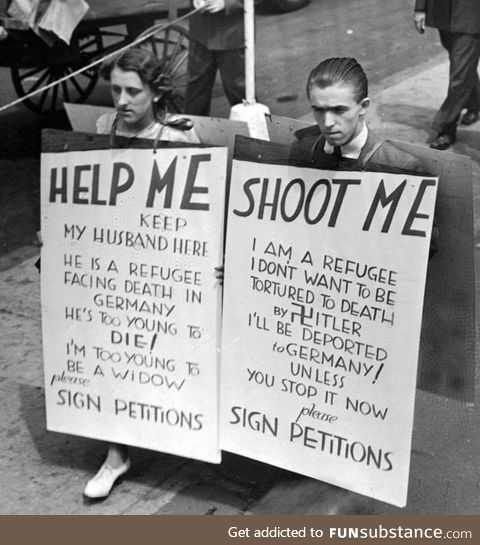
(337, 151)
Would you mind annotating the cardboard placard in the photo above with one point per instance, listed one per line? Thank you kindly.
(213, 131)
(130, 300)
(447, 349)
(324, 282)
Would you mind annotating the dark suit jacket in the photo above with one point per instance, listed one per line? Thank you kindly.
(462, 16)
(220, 31)
(310, 144)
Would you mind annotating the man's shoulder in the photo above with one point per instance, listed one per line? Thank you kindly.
(306, 142)
(390, 155)
(311, 131)
(307, 137)
(381, 151)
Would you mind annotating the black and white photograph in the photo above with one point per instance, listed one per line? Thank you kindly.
(238, 245)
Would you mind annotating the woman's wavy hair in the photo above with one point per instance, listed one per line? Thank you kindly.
(344, 70)
(149, 69)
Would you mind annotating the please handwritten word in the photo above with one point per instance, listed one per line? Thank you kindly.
(313, 412)
(69, 379)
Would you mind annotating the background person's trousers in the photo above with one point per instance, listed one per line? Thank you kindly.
(202, 68)
(464, 85)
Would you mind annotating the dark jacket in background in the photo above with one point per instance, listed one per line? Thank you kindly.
(458, 23)
(458, 16)
(219, 31)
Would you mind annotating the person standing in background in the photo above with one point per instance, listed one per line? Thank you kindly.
(217, 42)
(458, 22)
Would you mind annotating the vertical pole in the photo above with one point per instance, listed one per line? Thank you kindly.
(251, 111)
(249, 51)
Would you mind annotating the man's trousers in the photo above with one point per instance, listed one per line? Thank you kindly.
(464, 85)
(202, 69)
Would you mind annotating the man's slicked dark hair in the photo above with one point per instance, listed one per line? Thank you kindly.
(339, 70)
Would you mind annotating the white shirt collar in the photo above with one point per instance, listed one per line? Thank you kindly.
(352, 149)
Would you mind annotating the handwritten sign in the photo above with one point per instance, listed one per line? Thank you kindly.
(324, 283)
(130, 296)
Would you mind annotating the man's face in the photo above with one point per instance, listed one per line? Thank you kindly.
(337, 113)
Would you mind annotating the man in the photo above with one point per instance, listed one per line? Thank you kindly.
(458, 22)
(217, 41)
(337, 90)
(338, 93)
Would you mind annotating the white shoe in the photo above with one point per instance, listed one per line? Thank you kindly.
(101, 485)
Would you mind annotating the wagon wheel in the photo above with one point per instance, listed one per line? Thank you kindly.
(60, 61)
(170, 45)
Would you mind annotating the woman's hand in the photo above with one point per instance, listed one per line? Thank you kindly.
(214, 6)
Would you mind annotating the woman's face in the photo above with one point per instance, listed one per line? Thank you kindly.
(132, 97)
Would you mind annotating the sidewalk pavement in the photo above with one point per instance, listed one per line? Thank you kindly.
(44, 472)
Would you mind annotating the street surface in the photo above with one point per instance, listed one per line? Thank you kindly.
(44, 473)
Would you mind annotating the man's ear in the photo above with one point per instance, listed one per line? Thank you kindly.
(364, 104)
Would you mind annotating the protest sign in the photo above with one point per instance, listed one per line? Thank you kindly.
(447, 360)
(130, 297)
(324, 283)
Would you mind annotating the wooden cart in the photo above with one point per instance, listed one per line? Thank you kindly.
(107, 26)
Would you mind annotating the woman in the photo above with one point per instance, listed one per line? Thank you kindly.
(139, 92)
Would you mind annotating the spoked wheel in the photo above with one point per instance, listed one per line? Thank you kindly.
(61, 61)
(170, 45)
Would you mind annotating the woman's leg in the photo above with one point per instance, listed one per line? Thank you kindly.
(117, 455)
(116, 464)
